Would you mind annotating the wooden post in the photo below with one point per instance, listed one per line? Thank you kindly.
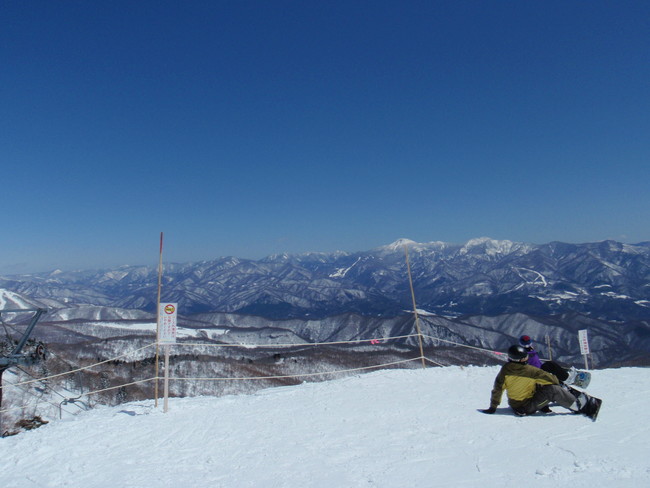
(415, 309)
(166, 388)
(158, 320)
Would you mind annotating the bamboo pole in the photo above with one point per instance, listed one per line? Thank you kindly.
(158, 320)
(415, 309)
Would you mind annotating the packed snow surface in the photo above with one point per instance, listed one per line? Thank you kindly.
(391, 428)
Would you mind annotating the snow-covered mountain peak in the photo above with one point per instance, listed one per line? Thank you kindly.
(399, 244)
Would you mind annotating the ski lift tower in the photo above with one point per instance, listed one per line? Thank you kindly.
(17, 357)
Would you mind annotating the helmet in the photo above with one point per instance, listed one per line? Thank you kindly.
(525, 341)
(517, 353)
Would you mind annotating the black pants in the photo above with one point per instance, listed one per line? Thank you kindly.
(556, 369)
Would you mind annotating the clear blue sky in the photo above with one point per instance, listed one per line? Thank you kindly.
(249, 128)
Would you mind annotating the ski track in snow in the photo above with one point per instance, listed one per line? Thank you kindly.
(398, 428)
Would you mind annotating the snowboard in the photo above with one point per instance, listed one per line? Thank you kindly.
(588, 405)
(581, 379)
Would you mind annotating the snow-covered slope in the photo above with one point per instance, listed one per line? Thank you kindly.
(390, 429)
(14, 301)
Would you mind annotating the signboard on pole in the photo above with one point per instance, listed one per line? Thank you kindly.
(584, 341)
(167, 323)
(584, 345)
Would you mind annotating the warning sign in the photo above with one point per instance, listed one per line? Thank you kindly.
(584, 341)
(167, 323)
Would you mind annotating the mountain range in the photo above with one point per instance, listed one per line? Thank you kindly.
(606, 280)
(482, 293)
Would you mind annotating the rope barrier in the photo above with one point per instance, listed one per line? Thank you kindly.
(371, 341)
(84, 368)
(434, 362)
(321, 373)
(94, 392)
(462, 345)
(83, 394)
(270, 377)
(39, 397)
(47, 387)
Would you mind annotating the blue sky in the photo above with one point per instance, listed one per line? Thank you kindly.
(250, 128)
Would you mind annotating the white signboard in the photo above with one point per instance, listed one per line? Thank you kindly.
(584, 342)
(167, 323)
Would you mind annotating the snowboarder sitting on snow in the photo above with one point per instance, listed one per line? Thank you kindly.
(529, 389)
(564, 375)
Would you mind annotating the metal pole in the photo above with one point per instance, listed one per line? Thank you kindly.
(415, 309)
(158, 320)
(30, 327)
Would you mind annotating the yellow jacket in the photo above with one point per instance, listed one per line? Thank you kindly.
(520, 381)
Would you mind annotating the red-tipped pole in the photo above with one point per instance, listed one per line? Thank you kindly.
(158, 318)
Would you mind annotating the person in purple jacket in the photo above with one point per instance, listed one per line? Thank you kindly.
(549, 366)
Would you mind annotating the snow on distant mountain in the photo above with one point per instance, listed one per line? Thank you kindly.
(341, 272)
(12, 300)
(387, 429)
(399, 244)
(96, 312)
(491, 247)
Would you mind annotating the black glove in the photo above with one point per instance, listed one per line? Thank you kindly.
(489, 410)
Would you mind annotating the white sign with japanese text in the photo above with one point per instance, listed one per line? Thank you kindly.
(167, 323)
(584, 341)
